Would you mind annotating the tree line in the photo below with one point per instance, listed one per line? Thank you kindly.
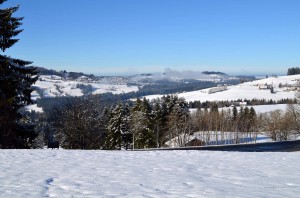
(206, 104)
(163, 122)
(293, 71)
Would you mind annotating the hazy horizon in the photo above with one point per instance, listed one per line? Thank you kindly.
(180, 72)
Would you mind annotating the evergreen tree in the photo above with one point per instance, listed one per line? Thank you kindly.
(160, 122)
(9, 27)
(170, 101)
(106, 116)
(235, 113)
(214, 107)
(16, 79)
(126, 131)
(118, 129)
(241, 119)
(252, 119)
(157, 111)
(142, 125)
(245, 120)
(114, 128)
(293, 71)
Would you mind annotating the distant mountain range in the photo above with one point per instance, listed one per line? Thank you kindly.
(168, 75)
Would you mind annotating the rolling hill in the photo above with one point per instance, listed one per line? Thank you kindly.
(283, 87)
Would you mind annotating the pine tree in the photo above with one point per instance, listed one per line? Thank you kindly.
(16, 79)
(126, 131)
(235, 113)
(293, 71)
(241, 118)
(106, 116)
(142, 125)
(245, 120)
(114, 129)
(160, 122)
(252, 119)
(156, 120)
(119, 135)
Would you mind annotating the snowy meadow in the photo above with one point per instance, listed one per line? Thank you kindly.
(76, 173)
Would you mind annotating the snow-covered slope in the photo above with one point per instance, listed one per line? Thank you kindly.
(51, 86)
(52, 83)
(172, 174)
(284, 87)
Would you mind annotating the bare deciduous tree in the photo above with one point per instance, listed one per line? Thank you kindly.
(80, 127)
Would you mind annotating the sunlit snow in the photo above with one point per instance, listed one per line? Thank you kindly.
(52, 86)
(71, 173)
(248, 90)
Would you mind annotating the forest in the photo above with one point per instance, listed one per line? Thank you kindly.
(93, 122)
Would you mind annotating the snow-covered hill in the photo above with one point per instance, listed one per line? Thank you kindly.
(53, 83)
(52, 86)
(283, 87)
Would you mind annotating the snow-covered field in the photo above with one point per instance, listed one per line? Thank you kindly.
(265, 108)
(249, 90)
(71, 173)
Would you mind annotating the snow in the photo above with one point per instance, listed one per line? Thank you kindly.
(34, 107)
(34, 95)
(53, 86)
(115, 89)
(268, 108)
(264, 108)
(74, 173)
(248, 90)
(257, 108)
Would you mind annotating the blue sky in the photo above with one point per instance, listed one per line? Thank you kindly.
(136, 36)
